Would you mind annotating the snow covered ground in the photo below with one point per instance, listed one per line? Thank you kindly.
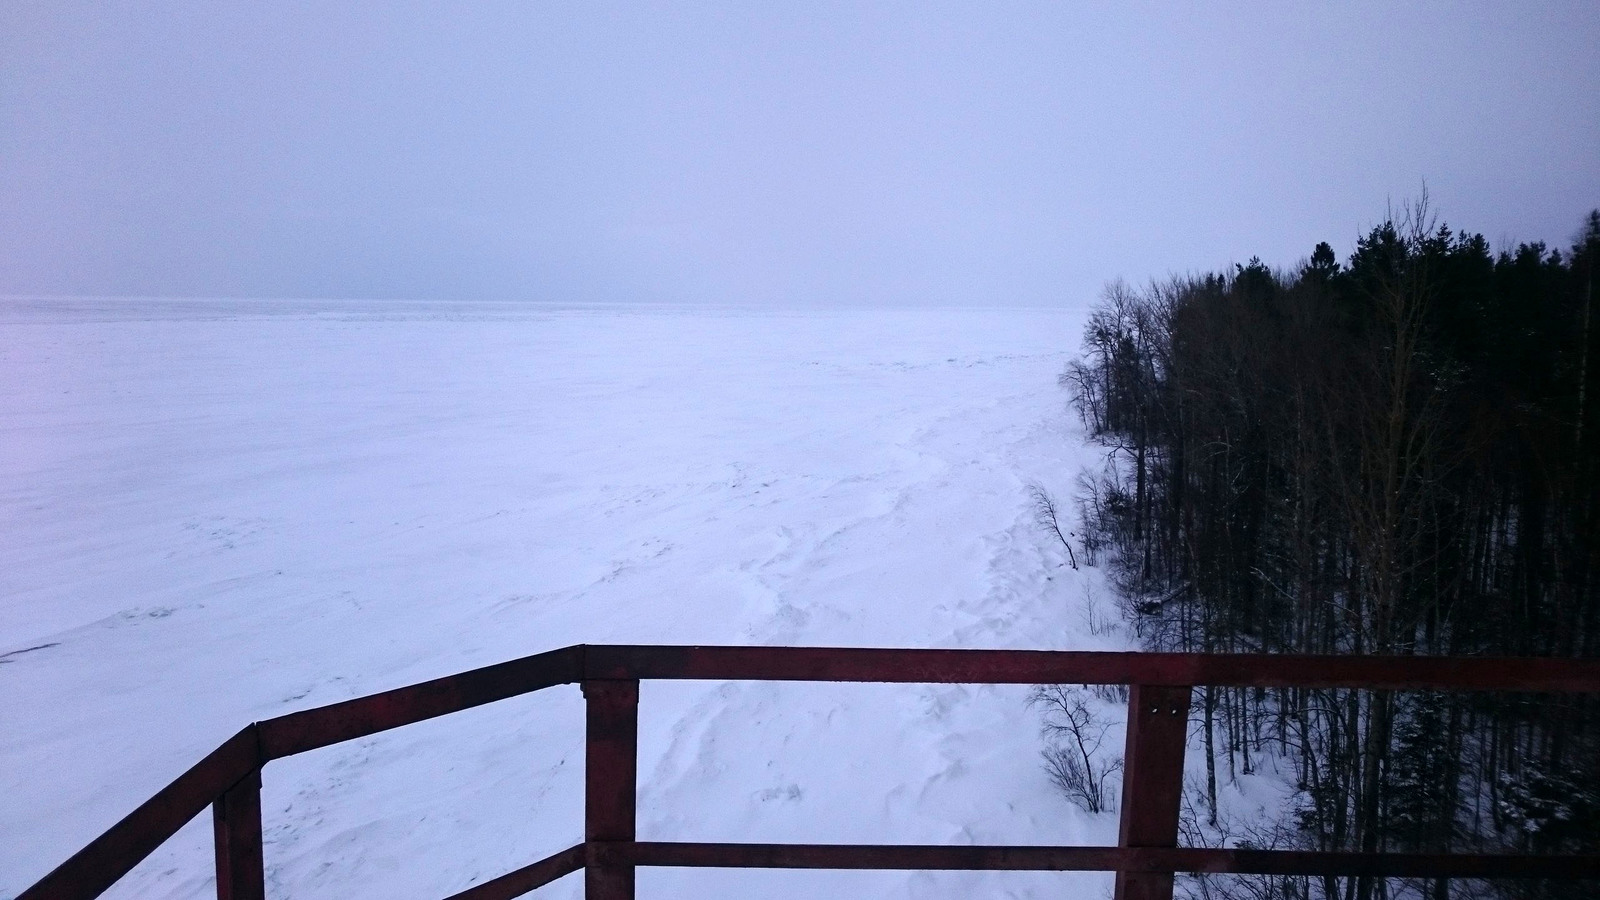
(216, 512)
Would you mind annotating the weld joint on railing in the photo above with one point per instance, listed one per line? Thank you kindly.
(258, 757)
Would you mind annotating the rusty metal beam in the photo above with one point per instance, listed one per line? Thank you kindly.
(859, 664)
(611, 781)
(1390, 865)
(525, 879)
(236, 833)
(854, 856)
(110, 856)
(312, 728)
(1087, 859)
(1152, 782)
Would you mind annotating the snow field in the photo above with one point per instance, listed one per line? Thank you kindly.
(218, 512)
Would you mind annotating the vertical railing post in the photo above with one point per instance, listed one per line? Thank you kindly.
(1152, 782)
(236, 828)
(611, 781)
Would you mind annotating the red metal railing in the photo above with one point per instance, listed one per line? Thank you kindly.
(1147, 855)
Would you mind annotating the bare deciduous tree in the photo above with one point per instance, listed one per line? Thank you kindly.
(1046, 514)
(1072, 755)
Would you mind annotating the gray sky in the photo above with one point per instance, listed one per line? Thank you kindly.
(761, 152)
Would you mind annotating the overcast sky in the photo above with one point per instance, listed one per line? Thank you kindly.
(765, 153)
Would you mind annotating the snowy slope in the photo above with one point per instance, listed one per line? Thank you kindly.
(216, 512)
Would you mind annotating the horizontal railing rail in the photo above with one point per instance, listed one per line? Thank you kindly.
(229, 778)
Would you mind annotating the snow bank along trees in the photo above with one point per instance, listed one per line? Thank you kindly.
(1396, 455)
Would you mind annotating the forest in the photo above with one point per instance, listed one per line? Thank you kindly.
(1393, 455)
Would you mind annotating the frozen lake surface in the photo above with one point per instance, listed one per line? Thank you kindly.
(216, 512)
